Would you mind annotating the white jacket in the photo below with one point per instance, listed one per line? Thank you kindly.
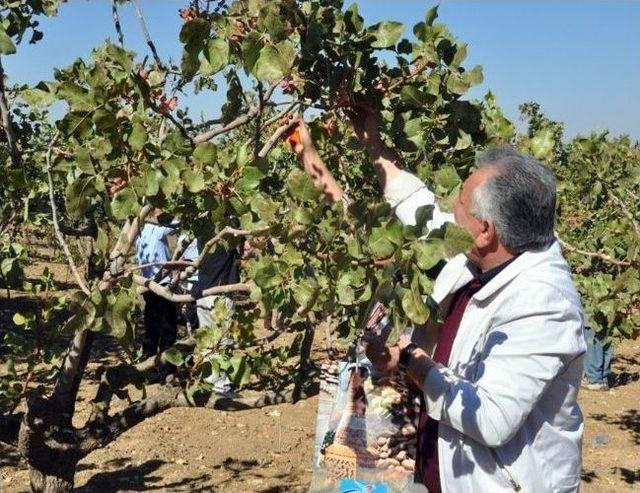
(507, 403)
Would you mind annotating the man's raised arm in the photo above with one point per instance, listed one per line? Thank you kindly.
(300, 141)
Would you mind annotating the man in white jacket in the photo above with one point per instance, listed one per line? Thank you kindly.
(501, 374)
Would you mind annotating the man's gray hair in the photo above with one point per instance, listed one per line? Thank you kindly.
(519, 198)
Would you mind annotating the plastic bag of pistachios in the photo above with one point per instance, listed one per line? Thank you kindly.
(365, 430)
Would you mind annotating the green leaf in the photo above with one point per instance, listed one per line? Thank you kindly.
(83, 319)
(386, 33)
(305, 293)
(266, 275)
(456, 84)
(240, 371)
(217, 54)
(301, 187)
(37, 97)
(379, 243)
(76, 96)
(242, 155)
(413, 305)
(207, 337)
(137, 137)
(251, 47)
(83, 162)
(271, 65)
(78, 195)
(121, 313)
(429, 252)
(431, 15)
(474, 76)
(457, 240)
(194, 180)
(124, 204)
(413, 97)
(194, 31)
(6, 45)
(205, 153)
(447, 178)
(459, 57)
(170, 182)
(250, 179)
(353, 19)
(542, 143)
(302, 215)
(173, 356)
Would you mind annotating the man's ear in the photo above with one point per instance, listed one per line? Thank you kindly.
(487, 235)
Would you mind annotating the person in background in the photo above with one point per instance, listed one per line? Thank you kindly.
(189, 310)
(218, 268)
(598, 363)
(160, 314)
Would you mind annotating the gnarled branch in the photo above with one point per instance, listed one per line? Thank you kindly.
(241, 120)
(600, 255)
(626, 212)
(149, 285)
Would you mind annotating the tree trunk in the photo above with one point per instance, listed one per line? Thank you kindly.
(43, 483)
(50, 450)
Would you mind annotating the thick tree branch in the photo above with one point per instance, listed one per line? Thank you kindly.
(97, 434)
(68, 383)
(252, 112)
(117, 377)
(239, 121)
(169, 263)
(154, 287)
(127, 237)
(281, 115)
(7, 123)
(275, 137)
(56, 225)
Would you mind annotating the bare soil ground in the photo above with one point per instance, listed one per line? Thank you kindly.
(269, 450)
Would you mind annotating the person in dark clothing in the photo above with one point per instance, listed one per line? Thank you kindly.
(160, 314)
(219, 267)
(160, 324)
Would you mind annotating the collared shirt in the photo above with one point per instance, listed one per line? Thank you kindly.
(152, 246)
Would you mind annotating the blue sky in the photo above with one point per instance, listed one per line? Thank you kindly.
(580, 59)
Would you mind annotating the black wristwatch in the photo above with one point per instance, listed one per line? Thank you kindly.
(405, 355)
